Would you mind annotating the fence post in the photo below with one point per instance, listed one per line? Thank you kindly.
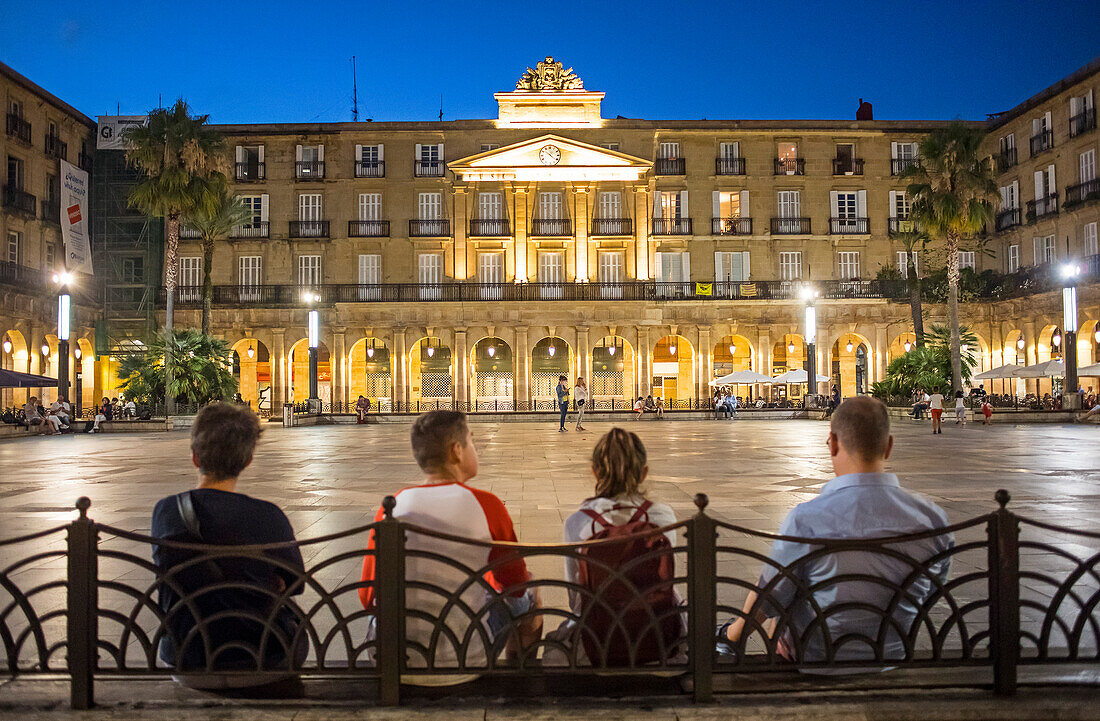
(82, 608)
(702, 592)
(1004, 595)
(389, 579)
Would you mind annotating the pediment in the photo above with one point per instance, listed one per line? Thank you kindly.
(550, 157)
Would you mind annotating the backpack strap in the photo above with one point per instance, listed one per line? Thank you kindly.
(642, 512)
(597, 518)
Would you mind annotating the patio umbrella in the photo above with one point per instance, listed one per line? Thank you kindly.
(1046, 369)
(1005, 371)
(797, 376)
(743, 377)
(1092, 371)
(15, 379)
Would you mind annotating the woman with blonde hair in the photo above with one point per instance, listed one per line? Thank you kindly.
(580, 397)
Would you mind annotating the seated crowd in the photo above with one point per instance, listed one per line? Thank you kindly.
(622, 606)
(59, 416)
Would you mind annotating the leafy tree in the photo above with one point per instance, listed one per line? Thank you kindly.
(953, 189)
(927, 366)
(914, 241)
(214, 217)
(201, 370)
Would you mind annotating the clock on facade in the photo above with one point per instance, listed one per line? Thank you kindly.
(549, 155)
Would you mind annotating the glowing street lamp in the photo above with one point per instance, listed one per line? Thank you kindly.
(314, 340)
(809, 295)
(64, 313)
(908, 346)
(1070, 398)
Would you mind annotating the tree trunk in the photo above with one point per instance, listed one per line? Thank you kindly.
(207, 283)
(914, 300)
(953, 308)
(172, 228)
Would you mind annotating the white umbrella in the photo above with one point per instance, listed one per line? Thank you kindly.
(1046, 369)
(743, 377)
(1006, 371)
(1091, 371)
(797, 376)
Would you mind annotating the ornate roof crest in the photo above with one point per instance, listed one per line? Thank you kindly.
(549, 75)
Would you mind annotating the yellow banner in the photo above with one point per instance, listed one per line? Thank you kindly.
(704, 288)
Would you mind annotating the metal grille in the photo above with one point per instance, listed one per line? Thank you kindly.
(543, 384)
(435, 385)
(493, 384)
(607, 383)
(377, 385)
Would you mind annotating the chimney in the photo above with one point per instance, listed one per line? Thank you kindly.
(864, 112)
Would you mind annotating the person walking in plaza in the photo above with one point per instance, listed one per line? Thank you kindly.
(563, 401)
(580, 397)
(935, 404)
(960, 408)
(987, 411)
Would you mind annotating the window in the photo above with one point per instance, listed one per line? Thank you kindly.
(731, 267)
(669, 151)
(370, 206)
(610, 267)
(310, 161)
(1044, 183)
(430, 274)
(370, 277)
(51, 256)
(309, 206)
(1044, 249)
(309, 270)
(431, 206)
(15, 173)
(790, 204)
(490, 206)
(370, 154)
(250, 162)
(490, 268)
(610, 205)
(133, 270)
(905, 151)
(790, 265)
(551, 267)
(249, 277)
(1008, 144)
(13, 253)
(15, 107)
(1013, 258)
(845, 205)
(901, 205)
(668, 204)
(1081, 115)
(904, 261)
(729, 204)
(486, 147)
(671, 267)
(1088, 238)
(430, 153)
(190, 280)
(787, 151)
(1010, 196)
(728, 151)
(550, 206)
(966, 259)
(1086, 167)
(848, 264)
(610, 146)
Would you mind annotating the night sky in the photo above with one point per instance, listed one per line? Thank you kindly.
(282, 61)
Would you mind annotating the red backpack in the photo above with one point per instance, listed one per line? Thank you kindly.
(637, 609)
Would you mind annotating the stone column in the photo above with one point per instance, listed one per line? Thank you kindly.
(519, 233)
(641, 233)
(521, 368)
(704, 364)
(644, 355)
(338, 362)
(461, 265)
(881, 349)
(400, 369)
(462, 368)
(581, 195)
(764, 355)
(584, 356)
(278, 371)
(1031, 351)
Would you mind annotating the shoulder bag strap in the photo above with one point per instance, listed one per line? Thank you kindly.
(186, 507)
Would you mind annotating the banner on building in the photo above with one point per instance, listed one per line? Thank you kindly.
(74, 218)
(704, 288)
(109, 135)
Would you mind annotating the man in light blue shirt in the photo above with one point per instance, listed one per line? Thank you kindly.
(865, 595)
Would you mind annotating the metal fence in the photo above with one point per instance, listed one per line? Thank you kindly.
(548, 405)
(81, 600)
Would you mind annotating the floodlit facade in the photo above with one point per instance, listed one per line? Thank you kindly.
(471, 262)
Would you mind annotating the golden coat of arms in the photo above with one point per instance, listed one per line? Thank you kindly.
(549, 75)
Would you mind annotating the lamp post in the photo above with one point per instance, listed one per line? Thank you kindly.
(314, 336)
(63, 314)
(1071, 400)
(809, 295)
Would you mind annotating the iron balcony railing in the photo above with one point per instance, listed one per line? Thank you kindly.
(51, 210)
(23, 276)
(309, 229)
(849, 226)
(309, 169)
(19, 128)
(368, 228)
(551, 226)
(255, 229)
(900, 165)
(901, 225)
(1007, 219)
(1042, 141)
(1082, 122)
(790, 166)
(790, 226)
(20, 200)
(490, 227)
(672, 226)
(187, 233)
(612, 226)
(669, 166)
(729, 166)
(429, 228)
(847, 166)
(250, 172)
(429, 168)
(731, 226)
(56, 148)
(1006, 159)
(370, 168)
(1088, 190)
(1042, 207)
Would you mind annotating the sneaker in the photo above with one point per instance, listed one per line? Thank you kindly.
(721, 641)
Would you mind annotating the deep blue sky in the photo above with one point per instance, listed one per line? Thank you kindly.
(283, 61)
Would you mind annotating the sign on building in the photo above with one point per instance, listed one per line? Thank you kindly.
(74, 218)
(109, 135)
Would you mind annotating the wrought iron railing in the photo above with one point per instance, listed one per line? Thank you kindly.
(1041, 207)
(429, 168)
(790, 166)
(309, 169)
(790, 226)
(670, 166)
(551, 226)
(671, 226)
(250, 172)
(729, 166)
(900, 165)
(1079, 193)
(255, 229)
(368, 228)
(370, 168)
(849, 226)
(993, 594)
(731, 226)
(1006, 159)
(19, 128)
(309, 228)
(612, 226)
(1007, 219)
(56, 147)
(1082, 122)
(1042, 141)
(429, 228)
(490, 227)
(20, 200)
(847, 166)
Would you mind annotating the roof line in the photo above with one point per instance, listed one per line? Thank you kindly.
(37, 89)
(1046, 94)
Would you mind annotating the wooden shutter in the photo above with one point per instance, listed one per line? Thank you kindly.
(1052, 186)
(861, 203)
(745, 204)
(265, 207)
(1040, 185)
(417, 156)
(358, 153)
(719, 274)
(240, 154)
(685, 266)
(716, 211)
(440, 146)
(321, 153)
(894, 150)
(745, 273)
(260, 154)
(657, 258)
(834, 203)
(894, 203)
(1036, 252)
(298, 153)
(684, 204)
(381, 152)
(657, 211)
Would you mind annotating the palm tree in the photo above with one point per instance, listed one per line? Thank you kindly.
(953, 190)
(914, 241)
(214, 216)
(177, 152)
(202, 372)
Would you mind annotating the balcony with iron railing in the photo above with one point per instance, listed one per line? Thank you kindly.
(255, 229)
(670, 166)
(56, 148)
(1042, 141)
(309, 229)
(1006, 159)
(250, 172)
(1006, 219)
(612, 226)
(20, 200)
(790, 226)
(672, 226)
(900, 165)
(429, 168)
(368, 228)
(19, 128)
(51, 210)
(552, 226)
(790, 166)
(1042, 207)
(900, 225)
(847, 166)
(490, 227)
(370, 169)
(1081, 192)
(729, 166)
(731, 226)
(188, 233)
(309, 170)
(437, 228)
(1082, 122)
(849, 226)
